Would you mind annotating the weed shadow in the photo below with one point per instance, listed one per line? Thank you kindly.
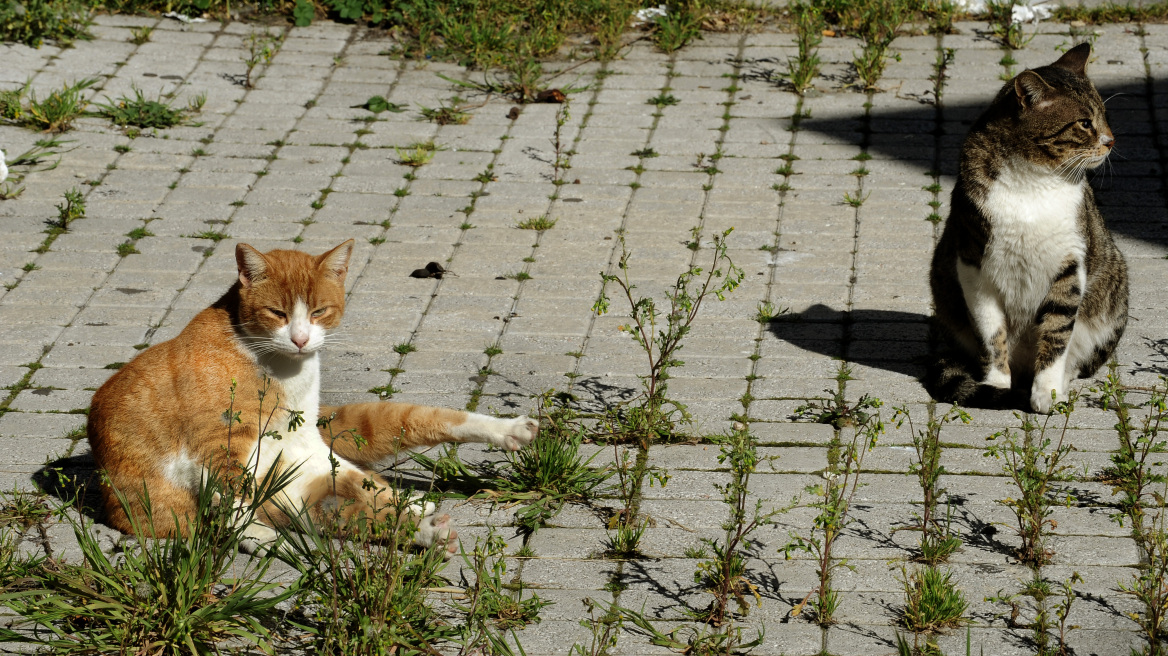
(74, 481)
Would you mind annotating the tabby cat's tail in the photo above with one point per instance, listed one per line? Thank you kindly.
(952, 380)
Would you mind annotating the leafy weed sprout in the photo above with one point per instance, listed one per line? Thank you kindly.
(879, 21)
(1005, 28)
(57, 111)
(417, 154)
(261, 48)
(937, 540)
(1034, 464)
(724, 572)
(834, 504)
(488, 597)
(1051, 625)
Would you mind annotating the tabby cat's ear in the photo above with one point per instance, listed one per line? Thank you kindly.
(1033, 91)
(253, 266)
(336, 261)
(1075, 59)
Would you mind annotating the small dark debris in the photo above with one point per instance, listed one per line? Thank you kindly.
(576, 181)
(551, 96)
(513, 114)
(432, 270)
(150, 75)
(43, 391)
(478, 380)
(170, 77)
(131, 291)
(573, 200)
(97, 323)
(115, 365)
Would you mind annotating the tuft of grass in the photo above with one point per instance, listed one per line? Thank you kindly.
(127, 248)
(140, 35)
(417, 154)
(404, 348)
(932, 601)
(663, 99)
(57, 111)
(448, 112)
(539, 223)
(809, 24)
(141, 112)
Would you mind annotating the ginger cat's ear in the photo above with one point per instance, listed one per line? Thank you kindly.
(336, 261)
(253, 266)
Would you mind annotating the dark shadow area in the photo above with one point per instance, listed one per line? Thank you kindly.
(803, 330)
(1125, 186)
(73, 480)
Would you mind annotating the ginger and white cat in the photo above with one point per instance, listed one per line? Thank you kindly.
(159, 422)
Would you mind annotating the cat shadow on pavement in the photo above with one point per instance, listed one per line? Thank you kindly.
(892, 340)
(73, 480)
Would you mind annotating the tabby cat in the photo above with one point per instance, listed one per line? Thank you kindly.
(160, 421)
(1028, 286)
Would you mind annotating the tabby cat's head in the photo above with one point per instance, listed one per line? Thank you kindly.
(1055, 116)
(289, 300)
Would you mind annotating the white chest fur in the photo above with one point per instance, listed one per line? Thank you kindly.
(1034, 229)
(299, 382)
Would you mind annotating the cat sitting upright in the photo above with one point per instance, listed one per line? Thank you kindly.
(160, 421)
(1028, 286)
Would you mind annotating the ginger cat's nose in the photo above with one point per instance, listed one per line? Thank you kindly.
(300, 341)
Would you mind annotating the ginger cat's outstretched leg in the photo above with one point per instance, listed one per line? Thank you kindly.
(391, 427)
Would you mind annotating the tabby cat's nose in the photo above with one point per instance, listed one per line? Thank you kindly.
(1107, 140)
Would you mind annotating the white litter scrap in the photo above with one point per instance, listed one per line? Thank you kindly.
(1025, 11)
(3, 167)
(648, 15)
(183, 18)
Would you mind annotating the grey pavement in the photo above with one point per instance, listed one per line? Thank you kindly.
(292, 164)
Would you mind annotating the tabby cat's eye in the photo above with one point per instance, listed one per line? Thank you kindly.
(1085, 123)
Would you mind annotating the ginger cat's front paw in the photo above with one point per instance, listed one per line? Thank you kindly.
(436, 530)
(517, 433)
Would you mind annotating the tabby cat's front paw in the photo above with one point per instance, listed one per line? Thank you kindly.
(1043, 398)
(436, 530)
(516, 433)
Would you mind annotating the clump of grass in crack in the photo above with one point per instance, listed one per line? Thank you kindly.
(1034, 463)
(417, 154)
(663, 99)
(937, 539)
(724, 572)
(140, 35)
(448, 112)
(168, 594)
(932, 602)
(141, 112)
(71, 208)
(834, 504)
(539, 223)
(562, 159)
(802, 69)
(57, 111)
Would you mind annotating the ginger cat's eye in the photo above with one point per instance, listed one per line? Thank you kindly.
(319, 312)
(279, 314)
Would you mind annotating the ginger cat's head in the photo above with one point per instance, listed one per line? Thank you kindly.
(289, 300)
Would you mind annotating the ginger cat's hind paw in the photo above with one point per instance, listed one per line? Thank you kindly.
(436, 530)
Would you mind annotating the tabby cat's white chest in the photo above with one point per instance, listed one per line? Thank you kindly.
(1034, 229)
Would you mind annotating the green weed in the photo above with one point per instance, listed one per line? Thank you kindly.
(932, 601)
(937, 540)
(32, 22)
(140, 112)
(417, 154)
(539, 223)
(488, 600)
(809, 24)
(834, 504)
(449, 112)
(663, 99)
(1001, 19)
(680, 25)
(59, 109)
(140, 35)
(261, 48)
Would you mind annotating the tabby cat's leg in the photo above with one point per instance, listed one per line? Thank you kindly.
(989, 322)
(1054, 324)
(387, 428)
